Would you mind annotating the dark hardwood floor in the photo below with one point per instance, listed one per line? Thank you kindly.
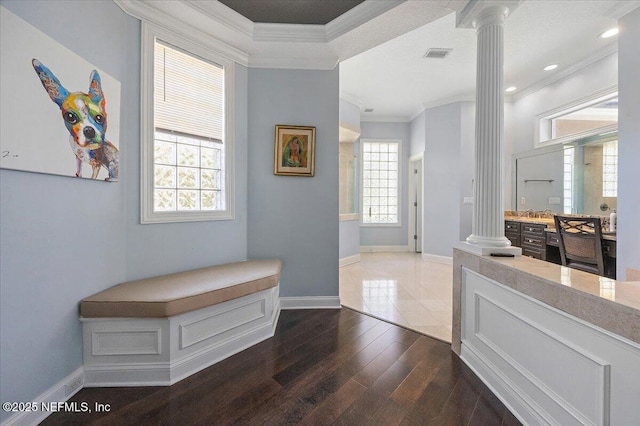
(322, 367)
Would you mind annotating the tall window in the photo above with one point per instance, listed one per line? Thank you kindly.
(610, 169)
(187, 145)
(569, 156)
(380, 182)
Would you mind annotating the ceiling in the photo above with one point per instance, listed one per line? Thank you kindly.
(380, 44)
(396, 81)
(317, 12)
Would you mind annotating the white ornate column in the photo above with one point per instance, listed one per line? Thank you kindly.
(488, 208)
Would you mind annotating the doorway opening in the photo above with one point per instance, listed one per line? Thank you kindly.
(415, 202)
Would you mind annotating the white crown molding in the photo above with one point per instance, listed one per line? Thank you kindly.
(622, 8)
(223, 15)
(224, 30)
(289, 33)
(357, 16)
(611, 49)
(474, 10)
(315, 63)
(352, 99)
(386, 119)
(148, 12)
(443, 102)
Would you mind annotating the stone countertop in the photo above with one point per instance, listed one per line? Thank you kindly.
(551, 226)
(536, 220)
(607, 303)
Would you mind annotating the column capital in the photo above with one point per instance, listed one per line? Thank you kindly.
(480, 13)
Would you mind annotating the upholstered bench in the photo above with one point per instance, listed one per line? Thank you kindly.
(157, 331)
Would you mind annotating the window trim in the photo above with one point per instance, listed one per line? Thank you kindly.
(147, 216)
(361, 184)
(542, 125)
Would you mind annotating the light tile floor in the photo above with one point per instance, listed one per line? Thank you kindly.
(401, 288)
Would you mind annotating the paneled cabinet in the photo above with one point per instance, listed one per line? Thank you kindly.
(529, 236)
(512, 232)
(533, 240)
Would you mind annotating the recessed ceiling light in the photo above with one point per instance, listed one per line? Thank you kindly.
(551, 67)
(609, 33)
(510, 89)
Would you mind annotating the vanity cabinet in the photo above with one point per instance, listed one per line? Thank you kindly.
(529, 236)
(533, 240)
(512, 232)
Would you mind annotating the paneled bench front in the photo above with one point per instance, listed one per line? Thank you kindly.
(159, 330)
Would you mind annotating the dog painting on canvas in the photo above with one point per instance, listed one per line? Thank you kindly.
(85, 117)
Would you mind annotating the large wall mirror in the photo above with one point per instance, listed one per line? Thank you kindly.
(576, 177)
(577, 172)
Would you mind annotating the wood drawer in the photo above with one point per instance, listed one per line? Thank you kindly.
(535, 253)
(533, 242)
(514, 237)
(552, 239)
(533, 230)
(511, 227)
(609, 248)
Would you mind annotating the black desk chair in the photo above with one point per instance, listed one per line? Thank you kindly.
(581, 243)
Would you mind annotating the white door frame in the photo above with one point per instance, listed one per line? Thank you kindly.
(415, 186)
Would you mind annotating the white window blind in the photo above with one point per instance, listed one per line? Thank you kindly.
(188, 94)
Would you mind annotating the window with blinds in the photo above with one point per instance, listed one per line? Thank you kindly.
(380, 182)
(189, 117)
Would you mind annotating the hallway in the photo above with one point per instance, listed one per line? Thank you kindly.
(401, 288)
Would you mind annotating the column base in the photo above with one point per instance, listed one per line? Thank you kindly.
(486, 251)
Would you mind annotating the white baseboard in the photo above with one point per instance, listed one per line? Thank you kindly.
(349, 260)
(60, 392)
(447, 260)
(310, 302)
(384, 249)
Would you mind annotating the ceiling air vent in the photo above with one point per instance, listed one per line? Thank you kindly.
(437, 53)
(368, 110)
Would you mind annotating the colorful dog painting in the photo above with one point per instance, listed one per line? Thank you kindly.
(85, 118)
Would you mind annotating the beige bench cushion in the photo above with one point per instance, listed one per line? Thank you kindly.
(174, 294)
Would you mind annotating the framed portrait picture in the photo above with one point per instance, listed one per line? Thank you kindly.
(294, 150)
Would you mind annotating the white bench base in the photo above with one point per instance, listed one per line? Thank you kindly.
(163, 351)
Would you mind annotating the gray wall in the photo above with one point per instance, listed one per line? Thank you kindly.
(418, 133)
(448, 170)
(350, 229)
(295, 218)
(443, 170)
(64, 239)
(389, 235)
(349, 114)
(156, 249)
(628, 145)
(349, 238)
(467, 165)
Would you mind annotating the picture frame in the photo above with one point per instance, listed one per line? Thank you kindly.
(294, 150)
